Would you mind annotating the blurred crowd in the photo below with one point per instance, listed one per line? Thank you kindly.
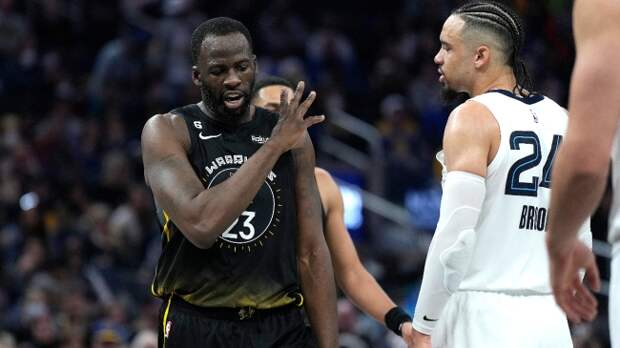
(78, 79)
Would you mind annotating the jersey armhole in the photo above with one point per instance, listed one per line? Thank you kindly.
(192, 139)
(499, 156)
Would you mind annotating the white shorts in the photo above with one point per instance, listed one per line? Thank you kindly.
(614, 298)
(491, 319)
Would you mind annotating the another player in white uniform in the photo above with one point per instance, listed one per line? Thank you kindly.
(579, 177)
(485, 280)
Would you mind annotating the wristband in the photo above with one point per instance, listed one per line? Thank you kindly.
(395, 318)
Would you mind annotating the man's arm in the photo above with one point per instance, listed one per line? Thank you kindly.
(202, 215)
(470, 141)
(315, 269)
(356, 282)
(580, 171)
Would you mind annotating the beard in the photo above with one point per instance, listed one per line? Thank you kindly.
(214, 102)
(453, 97)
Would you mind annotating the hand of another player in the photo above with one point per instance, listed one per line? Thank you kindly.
(407, 332)
(414, 338)
(292, 124)
(570, 293)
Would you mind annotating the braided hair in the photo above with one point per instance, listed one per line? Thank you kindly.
(506, 25)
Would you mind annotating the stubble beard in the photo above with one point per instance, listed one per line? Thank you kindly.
(215, 104)
(450, 96)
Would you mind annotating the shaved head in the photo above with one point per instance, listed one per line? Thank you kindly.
(499, 27)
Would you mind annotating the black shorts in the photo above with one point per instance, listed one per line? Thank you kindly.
(185, 325)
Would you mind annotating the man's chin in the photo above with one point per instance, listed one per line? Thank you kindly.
(234, 113)
(450, 96)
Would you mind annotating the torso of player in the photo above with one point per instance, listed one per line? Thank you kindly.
(253, 262)
(509, 253)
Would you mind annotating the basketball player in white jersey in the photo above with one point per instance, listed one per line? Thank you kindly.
(580, 174)
(485, 280)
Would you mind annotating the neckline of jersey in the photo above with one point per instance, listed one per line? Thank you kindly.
(226, 127)
(530, 99)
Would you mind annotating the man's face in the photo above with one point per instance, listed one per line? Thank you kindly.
(225, 74)
(268, 97)
(455, 66)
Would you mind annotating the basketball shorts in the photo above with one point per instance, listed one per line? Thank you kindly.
(492, 319)
(185, 325)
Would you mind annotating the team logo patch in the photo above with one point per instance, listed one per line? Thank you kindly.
(256, 223)
(259, 139)
(534, 116)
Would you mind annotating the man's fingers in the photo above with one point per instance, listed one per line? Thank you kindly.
(576, 301)
(583, 293)
(282, 108)
(584, 302)
(303, 107)
(312, 120)
(593, 277)
(299, 91)
(564, 301)
(407, 334)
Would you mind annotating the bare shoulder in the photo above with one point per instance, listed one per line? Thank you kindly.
(324, 180)
(471, 138)
(160, 122)
(322, 175)
(165, 127)
(328, 189)
(471, 119)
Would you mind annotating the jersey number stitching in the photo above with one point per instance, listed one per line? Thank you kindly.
(514, 185)
(246, 223)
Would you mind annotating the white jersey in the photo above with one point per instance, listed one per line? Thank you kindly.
(614, 214)
(509, 253)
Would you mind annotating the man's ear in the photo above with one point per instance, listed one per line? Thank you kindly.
(196, 76)
(482, 56)
(255, 62)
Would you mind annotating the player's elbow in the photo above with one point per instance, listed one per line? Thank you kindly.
(589, 169)
(348, 279)
(201, 232)
(308, 254)
(597, 168)
(203, 238)
(581, 158)
(311, 253)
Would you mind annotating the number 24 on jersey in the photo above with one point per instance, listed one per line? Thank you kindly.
(514, 185)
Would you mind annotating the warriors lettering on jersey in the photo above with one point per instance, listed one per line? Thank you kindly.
(533, 218)
(260, 219)
(232, 159)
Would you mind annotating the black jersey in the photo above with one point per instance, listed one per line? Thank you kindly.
(253, 262)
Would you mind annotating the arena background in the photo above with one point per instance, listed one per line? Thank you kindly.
(78, 79)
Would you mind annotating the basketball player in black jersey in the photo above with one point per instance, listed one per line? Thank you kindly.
(243, 245)
(353, 278)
